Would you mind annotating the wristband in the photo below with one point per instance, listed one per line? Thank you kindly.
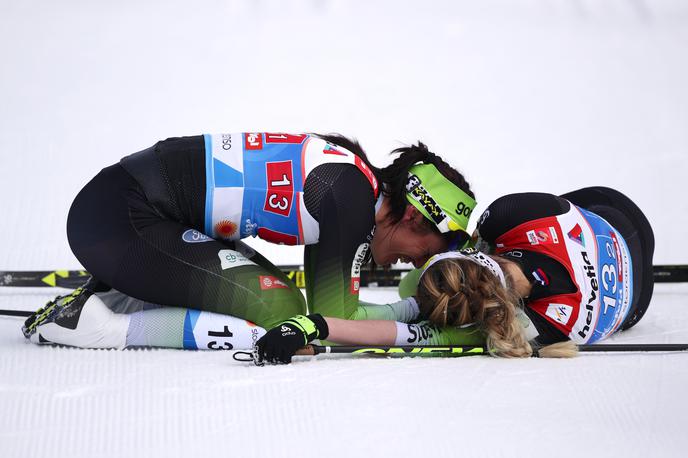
(320, 323)
(313, 326)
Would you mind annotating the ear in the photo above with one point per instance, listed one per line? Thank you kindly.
(413, 216)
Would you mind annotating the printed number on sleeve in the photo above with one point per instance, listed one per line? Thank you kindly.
(220, 344)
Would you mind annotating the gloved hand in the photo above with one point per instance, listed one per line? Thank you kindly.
(280, 343)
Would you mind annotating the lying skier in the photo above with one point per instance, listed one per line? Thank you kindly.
(579, 266)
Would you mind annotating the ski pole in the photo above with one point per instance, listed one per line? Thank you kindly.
(386, 277)
(448, 350)
(22, 313)
(632, 347)
(472, 350)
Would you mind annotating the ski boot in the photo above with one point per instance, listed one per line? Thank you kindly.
(79, 319)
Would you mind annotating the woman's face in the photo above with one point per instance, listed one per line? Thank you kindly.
(408, 240)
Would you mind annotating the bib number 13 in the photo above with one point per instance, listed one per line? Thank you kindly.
(280, 192)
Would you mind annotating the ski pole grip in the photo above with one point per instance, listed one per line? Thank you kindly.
(308, 350)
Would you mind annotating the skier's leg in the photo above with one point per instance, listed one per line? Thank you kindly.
(126, 243)
(129, 245)
(83, 320)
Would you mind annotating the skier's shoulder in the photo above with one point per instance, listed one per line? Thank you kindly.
(511, 210)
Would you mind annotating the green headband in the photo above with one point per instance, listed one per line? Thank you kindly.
(438, 199)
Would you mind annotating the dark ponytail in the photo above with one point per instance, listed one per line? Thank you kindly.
(351, 145)
(394, 176)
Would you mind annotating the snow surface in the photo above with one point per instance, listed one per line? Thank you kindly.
(521, 95)
(85, 403)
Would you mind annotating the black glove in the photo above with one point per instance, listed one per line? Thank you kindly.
(280, 343)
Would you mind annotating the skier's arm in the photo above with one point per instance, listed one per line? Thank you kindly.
(370, 332)
(384, 332)
(424, 333)
(343, 204)
(280, 343)
(405, 310)
(345, 214)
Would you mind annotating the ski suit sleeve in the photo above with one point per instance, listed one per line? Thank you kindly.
(341, 199)
(424, 333)
(409, 284)
(509, 211)
(405, 310)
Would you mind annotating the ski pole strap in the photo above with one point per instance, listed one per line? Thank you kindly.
(243, 356)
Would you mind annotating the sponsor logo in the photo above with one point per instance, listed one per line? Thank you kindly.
(589, 271)
(280, 194)
(287, 331)
(553, 234)
(483, 217)
(355, 285)
(332, 149)
(413, 182)
(463, 209)
(270, 282)
(254, 334)
(418, 333)
(543, 236)
(250, 228)
(421, 350)
(253, 141)
(418, 192)
(617, 253)
(541, 277)
(226, 142)
(367, 172)
(576, 234)
(514, 254)
(193, 236)
(370, 236)
(532, 238)
(225, 228)
(360, 258)
(561, 313)
(230, 259)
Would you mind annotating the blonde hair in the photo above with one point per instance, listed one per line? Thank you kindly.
(455, 292)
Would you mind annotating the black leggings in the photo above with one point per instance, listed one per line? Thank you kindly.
(126, 243)
(629, 220)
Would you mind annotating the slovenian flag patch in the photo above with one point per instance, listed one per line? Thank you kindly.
(541, 277)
